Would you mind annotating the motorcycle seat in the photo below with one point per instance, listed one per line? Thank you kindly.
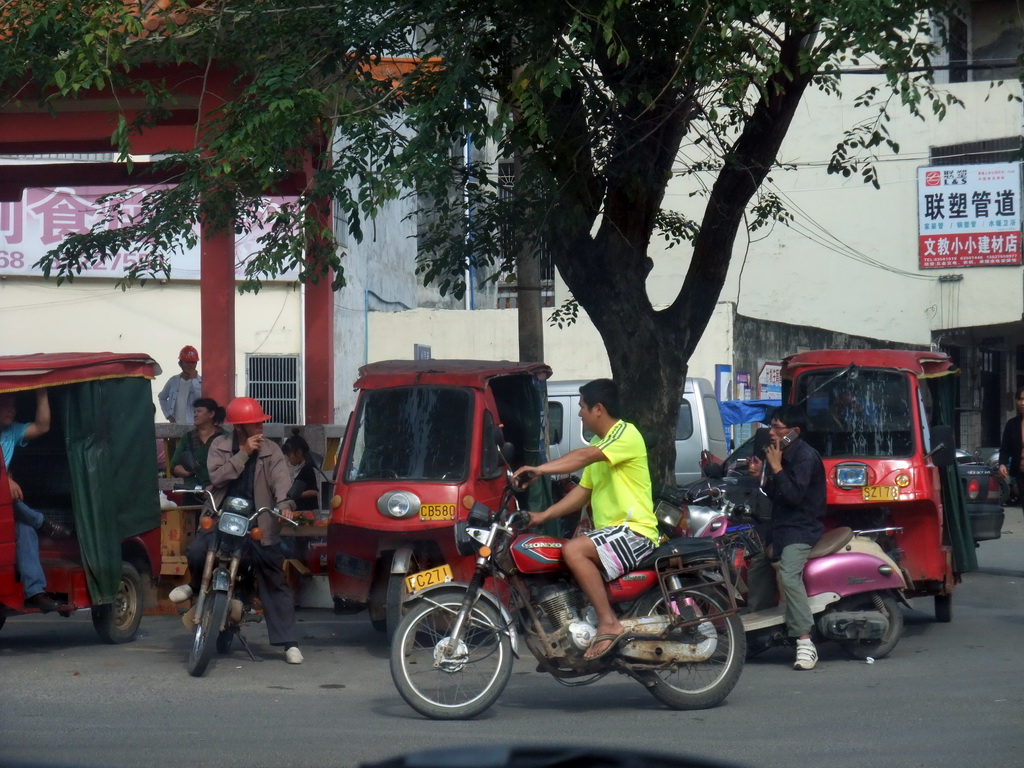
(831, 541)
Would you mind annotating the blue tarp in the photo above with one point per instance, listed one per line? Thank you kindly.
(746, 411)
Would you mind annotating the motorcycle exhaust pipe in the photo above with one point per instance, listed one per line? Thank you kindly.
(853, 625)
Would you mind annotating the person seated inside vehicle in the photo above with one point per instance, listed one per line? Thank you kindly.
(29, 523)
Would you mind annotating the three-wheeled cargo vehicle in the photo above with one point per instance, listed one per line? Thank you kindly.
(95, 472)
(880, 420)
(426, 440)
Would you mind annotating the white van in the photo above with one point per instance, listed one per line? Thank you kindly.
(698, 428)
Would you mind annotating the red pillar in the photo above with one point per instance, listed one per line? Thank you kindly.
(318, 355)
(217, 313)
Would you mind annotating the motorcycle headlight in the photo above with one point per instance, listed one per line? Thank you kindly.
(668, 514)
(398, 505)
(232, 524)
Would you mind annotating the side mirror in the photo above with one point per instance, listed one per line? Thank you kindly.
(508, 452)
(943, 451)
(714, 470)
(762, 437)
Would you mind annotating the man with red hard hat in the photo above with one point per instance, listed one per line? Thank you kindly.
(181, 391)
(247, 465)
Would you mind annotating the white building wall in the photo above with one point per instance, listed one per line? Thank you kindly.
(814, 272)
(379, 279)
(155, 319)
(573, 352)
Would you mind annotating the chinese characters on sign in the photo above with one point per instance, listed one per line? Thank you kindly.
(42, 218)
(969, 216)
(769, 380)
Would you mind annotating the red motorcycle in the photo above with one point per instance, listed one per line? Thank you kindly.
(452, 653)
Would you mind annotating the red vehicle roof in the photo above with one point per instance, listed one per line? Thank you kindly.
(919, 363)
(21, 372)
(464, 373)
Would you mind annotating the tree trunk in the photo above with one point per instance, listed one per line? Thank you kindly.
(531, 329)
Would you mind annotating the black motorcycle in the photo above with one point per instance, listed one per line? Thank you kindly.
(223, 603)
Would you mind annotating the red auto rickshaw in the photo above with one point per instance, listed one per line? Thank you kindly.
(426, 439)
(95, 472)
(880, 420)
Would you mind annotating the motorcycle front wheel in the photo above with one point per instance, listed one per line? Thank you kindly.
(458, 685)
(705, 684)
(215, 610)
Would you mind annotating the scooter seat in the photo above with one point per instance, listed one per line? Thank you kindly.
(831, 541)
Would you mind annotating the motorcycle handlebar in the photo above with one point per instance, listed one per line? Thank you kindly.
(519, 519)
(518, 483)
(276, 513)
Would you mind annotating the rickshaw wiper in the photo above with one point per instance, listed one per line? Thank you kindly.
(846, 371)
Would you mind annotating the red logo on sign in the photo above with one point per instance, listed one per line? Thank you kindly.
(933, 178)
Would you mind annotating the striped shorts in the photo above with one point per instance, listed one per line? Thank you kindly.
(620, 549)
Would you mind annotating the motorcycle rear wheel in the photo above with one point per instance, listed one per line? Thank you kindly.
(464, 685)
(875, 601)
(215, 610)
(706, 684)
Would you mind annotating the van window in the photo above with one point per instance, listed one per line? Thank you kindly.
(555, 421)
(713, 414)
(684, 424)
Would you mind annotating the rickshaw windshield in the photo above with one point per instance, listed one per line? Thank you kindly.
(860, 414)
(412, 433)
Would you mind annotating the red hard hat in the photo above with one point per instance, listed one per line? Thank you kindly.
(188, 354)
(245, 410)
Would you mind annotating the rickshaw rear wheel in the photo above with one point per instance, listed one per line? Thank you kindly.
(118, 622)
(944, 608)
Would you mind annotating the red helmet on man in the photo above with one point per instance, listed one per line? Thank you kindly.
(188, 354)
(245, 410)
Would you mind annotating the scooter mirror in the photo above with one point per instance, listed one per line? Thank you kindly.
(714, 470)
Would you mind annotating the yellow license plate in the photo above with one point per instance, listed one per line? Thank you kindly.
(429, 578)
(437, 512)
(880, 493)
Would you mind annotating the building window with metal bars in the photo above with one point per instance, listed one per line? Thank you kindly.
(273, 380)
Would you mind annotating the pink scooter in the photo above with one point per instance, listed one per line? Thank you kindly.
(854, 587)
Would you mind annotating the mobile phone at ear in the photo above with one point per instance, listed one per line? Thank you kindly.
(788, 438)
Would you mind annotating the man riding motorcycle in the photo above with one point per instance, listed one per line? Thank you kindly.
(617, 480)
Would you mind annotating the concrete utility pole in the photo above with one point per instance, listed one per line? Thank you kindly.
(528, 288)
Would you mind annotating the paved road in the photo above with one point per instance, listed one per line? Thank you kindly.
(950, 695)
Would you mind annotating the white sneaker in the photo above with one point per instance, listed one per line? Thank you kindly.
(180, 594)
(293, 655)
(806, 655)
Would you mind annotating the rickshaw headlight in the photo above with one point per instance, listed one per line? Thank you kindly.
(232, 524)
(851, 476)
(398, 505)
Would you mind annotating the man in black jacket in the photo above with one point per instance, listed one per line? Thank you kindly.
(795, 482)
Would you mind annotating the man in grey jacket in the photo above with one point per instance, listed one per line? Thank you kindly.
(247, 465)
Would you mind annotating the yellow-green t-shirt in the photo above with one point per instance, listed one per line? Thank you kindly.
(621, 486)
